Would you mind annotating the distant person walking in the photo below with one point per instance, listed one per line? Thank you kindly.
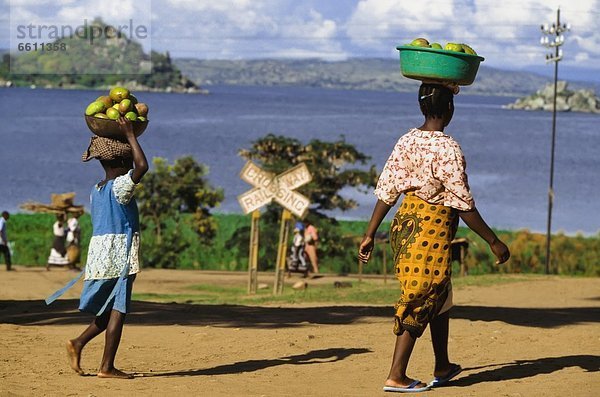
(73, 240)
(311, 238)
(58, 252)
(4, 248)
(428, 167)
(298, 257)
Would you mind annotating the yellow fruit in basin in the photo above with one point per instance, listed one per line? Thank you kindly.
(131, 116)
(117, 94)
(468, 49)
(436, 46)
(94, 107)
(113, 113)
(454, 47)
(420, 42)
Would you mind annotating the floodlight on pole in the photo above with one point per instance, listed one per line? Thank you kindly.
(556, 29)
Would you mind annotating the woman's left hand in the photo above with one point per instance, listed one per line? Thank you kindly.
(500, 250)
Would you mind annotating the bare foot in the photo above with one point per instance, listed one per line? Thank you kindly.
(114, 373)
(74, 356)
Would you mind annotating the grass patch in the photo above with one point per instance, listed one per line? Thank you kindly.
(571, 255)
(367, 292)
(484, 280)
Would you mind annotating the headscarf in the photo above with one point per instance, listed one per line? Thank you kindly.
(107, 149)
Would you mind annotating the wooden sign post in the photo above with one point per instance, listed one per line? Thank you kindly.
(253, 253)
(284, 232)
(269, 187)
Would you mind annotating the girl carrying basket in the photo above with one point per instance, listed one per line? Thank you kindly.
(112, 262)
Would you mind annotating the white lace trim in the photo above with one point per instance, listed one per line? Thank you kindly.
(124, 188)
(107, 256)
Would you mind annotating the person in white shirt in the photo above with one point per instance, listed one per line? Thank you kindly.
(58, 252)
(73, 241)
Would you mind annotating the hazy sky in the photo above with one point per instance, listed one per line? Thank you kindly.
(506, 33)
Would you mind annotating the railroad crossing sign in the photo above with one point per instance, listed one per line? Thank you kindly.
(269, 187)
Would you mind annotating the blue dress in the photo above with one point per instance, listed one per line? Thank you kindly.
(113, 255)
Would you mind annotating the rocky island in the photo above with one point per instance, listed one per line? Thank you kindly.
(584, 100)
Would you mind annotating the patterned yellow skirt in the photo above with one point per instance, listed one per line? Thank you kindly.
(420, 236)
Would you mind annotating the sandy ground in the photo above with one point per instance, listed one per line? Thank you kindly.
(531, 338)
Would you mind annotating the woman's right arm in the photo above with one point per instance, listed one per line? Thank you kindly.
(386, 192)
(366, 246)
(476, 223)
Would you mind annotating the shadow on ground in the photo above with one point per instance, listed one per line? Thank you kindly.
(522, 369)
(63, 312)
(529, 317)
(312, 357)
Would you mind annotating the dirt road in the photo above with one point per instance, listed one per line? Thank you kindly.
(533, 338)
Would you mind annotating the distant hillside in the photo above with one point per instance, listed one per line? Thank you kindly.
(73, 68)
(357, 73)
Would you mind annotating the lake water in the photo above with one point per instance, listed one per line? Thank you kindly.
(43, 134)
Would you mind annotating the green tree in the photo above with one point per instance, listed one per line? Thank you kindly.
(174, 197)
(332, 165)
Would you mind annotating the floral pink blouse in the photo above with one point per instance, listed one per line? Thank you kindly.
(432, 165)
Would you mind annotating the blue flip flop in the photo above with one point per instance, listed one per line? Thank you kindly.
(438, 381)
(406, 389)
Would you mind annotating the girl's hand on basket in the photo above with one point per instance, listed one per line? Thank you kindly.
(126, 127)
(365, 249)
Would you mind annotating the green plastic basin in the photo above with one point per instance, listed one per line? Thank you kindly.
(421, 63)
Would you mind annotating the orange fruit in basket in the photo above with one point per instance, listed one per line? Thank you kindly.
(125, 106)
(105, 99)
(142, 109)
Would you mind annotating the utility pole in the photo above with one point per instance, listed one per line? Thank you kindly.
(555, 30)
